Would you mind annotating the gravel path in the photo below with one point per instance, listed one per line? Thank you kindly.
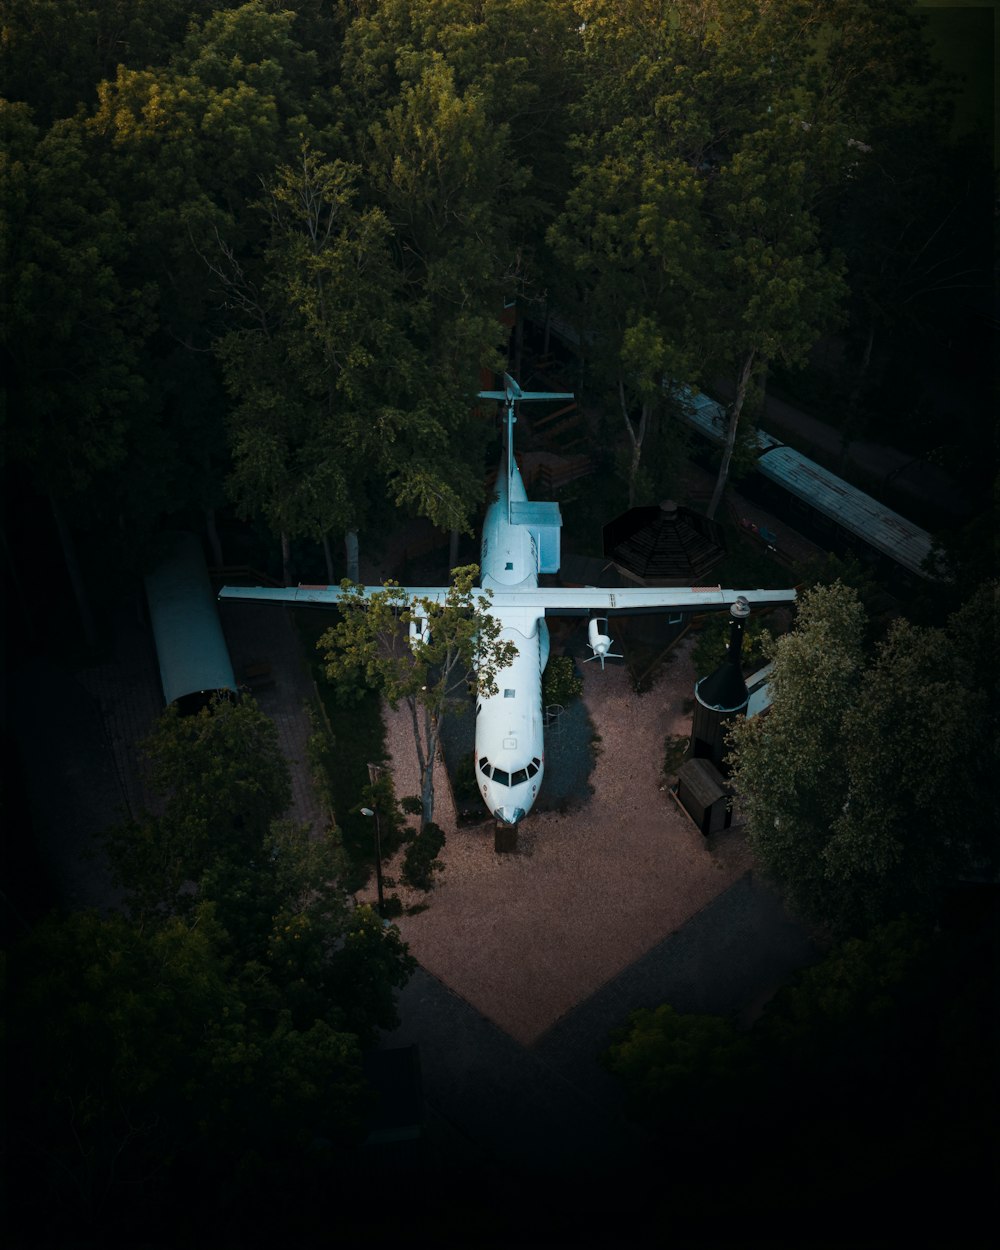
(525, 937)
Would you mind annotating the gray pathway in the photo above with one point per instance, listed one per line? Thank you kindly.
(264, 633)
(551, 1109)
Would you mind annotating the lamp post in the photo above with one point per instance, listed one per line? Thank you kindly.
(367, 811)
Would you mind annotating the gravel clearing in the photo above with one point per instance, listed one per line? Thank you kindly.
(526, 936)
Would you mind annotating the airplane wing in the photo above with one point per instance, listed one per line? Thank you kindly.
(580, 601)
(329, 596)
(557, 600)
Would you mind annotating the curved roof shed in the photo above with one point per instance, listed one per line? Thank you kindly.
(192, 652)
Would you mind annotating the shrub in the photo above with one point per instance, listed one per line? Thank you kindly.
(420, 861)
(561, 683)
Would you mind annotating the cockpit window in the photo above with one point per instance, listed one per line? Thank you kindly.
(532, 769)
(519, 776)
(484, 766)
(502, 777)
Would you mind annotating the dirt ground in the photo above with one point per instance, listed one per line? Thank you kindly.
(524, 937)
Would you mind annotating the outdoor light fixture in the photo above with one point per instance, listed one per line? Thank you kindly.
(367, 811)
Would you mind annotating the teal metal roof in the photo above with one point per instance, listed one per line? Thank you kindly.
(879, 526)
(854, 511)
(190, 646)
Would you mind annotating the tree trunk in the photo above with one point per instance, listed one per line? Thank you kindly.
(732, 427)
(286, 559)
(351, 555)
(213, 538)
(453, 550)
(634, 438)
(432, 729)
(75, 574)
(328, 557)
(425, 760)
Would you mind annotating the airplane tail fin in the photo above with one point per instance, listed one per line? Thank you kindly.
(509, 396)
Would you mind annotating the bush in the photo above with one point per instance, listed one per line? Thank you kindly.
(464, 780)
(561, 683)
(420, 861)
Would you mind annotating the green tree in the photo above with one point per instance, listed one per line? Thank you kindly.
(455, 121)
(55, 52)
(628, 237)
(222, 781)
(677, 1068)
(148, 1076)
(420, 861)
(336, 404)
(460, 645)
(867, 1070)
(852, 781)
(775, 288)
(73, 326)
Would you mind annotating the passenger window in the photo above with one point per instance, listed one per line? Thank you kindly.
(500, 776)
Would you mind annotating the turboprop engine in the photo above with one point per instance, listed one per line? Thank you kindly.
(599, 641)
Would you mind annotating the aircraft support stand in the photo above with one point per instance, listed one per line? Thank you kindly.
(504, 838)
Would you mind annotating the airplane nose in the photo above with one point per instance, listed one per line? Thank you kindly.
(509, 815)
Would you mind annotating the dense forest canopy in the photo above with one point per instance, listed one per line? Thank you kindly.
(255, 255)
(255, 261)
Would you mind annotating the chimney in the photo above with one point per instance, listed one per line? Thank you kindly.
(721, 696)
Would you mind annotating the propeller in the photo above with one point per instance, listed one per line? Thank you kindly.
(599, 641)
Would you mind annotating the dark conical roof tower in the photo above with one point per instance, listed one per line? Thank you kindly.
(721, 696)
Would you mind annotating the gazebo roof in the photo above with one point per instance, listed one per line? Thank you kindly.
(664, 545)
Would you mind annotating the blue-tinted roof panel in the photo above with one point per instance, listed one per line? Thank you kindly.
(189, 643)
(852, 509)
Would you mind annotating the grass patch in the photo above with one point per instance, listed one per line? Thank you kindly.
(352, 736)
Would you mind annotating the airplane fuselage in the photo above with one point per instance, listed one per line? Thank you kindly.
(509, 753)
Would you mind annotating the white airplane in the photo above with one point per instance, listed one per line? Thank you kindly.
(521, 540)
